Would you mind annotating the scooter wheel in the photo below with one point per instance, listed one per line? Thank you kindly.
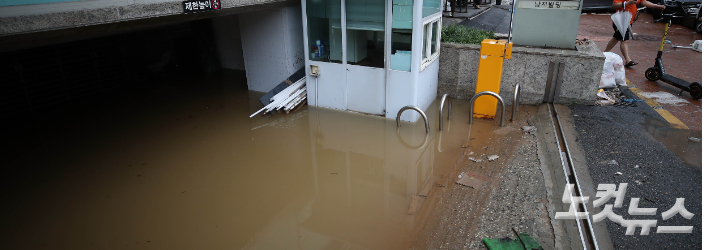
(696, 90)
(652, 74)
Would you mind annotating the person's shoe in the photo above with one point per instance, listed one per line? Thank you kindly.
(476, 7)
(631, 63)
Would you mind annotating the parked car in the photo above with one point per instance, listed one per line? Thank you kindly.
(597, 5)
(688, 12)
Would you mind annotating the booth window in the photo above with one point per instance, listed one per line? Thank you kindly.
(431, 33)
(365, 32)
(402, 14)
(324, 41)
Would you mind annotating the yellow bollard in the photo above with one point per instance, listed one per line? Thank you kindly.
(490, 69)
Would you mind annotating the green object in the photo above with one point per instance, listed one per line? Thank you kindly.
(513, 244)
(464, 35)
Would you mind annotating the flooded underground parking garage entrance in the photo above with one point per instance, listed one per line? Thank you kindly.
(183, 167)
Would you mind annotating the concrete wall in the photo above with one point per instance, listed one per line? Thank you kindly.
(272, 44)
(51, 16)
(228, 41)
(528, 66)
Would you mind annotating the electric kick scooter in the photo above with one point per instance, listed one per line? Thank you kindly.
(657, 72)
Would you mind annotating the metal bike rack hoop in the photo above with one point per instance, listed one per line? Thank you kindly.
(426, 120)
(500, 101)
(444, 98)
(516, 100)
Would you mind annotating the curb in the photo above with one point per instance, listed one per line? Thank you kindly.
(480, 13)
(670, 118)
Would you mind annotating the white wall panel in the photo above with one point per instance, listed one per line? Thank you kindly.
(272, 45)
(426, 87)
(399, 94)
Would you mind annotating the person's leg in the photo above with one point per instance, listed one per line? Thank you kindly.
(615, 39)
(625, 51)
(611, 44)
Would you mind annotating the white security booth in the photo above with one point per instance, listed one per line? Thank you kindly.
(385, 57)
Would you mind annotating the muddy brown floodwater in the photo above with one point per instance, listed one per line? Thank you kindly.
(185, 168)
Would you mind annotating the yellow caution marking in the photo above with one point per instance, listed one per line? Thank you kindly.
(674, 121)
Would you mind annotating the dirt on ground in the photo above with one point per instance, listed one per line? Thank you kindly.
(509, 192)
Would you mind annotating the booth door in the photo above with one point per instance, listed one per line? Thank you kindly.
(365, 53)
(366, 89)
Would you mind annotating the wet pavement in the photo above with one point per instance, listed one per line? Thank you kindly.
(481, 15)
(682, 63)
(658, 162)
(496, 19)
(184, 167)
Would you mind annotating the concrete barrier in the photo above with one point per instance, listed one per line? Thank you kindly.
(34, 25)
(528, 66)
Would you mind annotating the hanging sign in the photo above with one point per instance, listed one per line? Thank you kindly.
(200, 5)
(569, 5)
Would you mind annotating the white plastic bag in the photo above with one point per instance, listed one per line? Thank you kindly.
(697, 45)
(607, 80)
(613, 73)
(619, 71)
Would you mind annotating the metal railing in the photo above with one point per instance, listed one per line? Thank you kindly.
(441, 110)
(420, 146)
(426, 120)
(500, 101)
(516, 100)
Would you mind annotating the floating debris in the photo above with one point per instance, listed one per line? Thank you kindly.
(291, 97)
(618, 173)
(493, 157)
(637, 166)
(613, 162)
(474, 159)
